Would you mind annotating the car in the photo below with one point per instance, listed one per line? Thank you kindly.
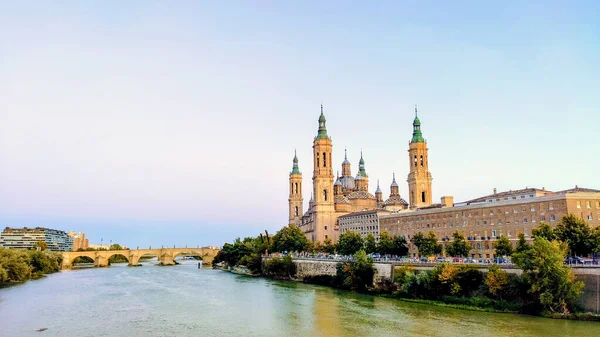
(424, 259)
(499, 260)
(440, 259)
(469, 260)
(573, 260)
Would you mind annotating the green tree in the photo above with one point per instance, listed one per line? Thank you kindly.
(522, 245)
(386, 243)
(115, 246)
(400, 247)
(551, 284)
(459, 246)
(370, 244)
(503, 246)
(545, 231)
(318, 247)
(576, 233)
(291, 239)
(328, 246)
(358, 275)
(427, 245)
(41, 245)
(350, 243)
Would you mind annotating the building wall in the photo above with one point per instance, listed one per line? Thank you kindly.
(483, 223)
(364, 223)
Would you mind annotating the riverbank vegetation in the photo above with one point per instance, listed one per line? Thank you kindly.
(546, 287)
(21, 265)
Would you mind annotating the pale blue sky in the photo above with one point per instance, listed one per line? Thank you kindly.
(168, 123)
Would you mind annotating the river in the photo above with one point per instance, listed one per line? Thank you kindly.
(186, 301)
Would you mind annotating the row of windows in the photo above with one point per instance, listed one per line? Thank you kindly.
(588, 204)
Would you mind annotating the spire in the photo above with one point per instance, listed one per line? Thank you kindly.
(417, 135)
(361, 166)
(337, 181)
(345, 162)
(394, 183)
(295, 169)
(322, 129)
(378, 190)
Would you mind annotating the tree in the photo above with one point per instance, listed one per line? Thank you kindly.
(357, 275)
(386, 244)
(42, 245)
(318, 247)
(551, 284)
(545, 231)
(522, 245)
(115, 246)
(370, 244)
(291, 239)
(349, 243)
(328, 246)
(399, 246)
(576, 233)
(503, 247)
(427, 245)
(459, 246)
(496, 280)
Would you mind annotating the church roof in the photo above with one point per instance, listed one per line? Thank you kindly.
(361, 195)
(395, 200)
(340, 199)
(347, 182)
(578, 189)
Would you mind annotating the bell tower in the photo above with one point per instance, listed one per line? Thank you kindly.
(419, 178)
(323, 183)
(295, 199)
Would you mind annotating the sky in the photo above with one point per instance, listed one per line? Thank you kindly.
(175, 123)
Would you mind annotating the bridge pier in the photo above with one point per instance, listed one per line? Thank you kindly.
(101, 261)
(167, 260)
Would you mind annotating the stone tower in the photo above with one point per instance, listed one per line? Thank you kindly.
(295, 200)
(361, 171)
(323, 184)
(419, 178)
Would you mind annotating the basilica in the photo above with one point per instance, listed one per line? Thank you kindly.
(335, 196)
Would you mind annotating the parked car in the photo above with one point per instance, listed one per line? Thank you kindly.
(441, 259)
(469, 260)
(573, 260)
(499, 260)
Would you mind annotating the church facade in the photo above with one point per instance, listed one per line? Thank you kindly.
(335, 196)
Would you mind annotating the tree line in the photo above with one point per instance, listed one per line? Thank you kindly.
(18, 265)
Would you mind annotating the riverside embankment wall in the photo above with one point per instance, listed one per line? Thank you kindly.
(590, 299)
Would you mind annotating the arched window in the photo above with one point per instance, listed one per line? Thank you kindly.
(318, 160)
(421, 161)
(325, 194)
(296, 210)
(296, 188)
(415, 161)
(324, 159)
(422, 196)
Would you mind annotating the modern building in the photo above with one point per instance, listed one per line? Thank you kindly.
(347, 194)
(485, 219)
(27, 238)
(79, 240)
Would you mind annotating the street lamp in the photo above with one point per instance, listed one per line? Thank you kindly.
(101, 243)
(110, 244)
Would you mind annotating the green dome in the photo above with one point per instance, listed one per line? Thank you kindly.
(416, 121)
(322, 134)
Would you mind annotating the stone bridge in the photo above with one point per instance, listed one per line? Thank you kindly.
(165, 255)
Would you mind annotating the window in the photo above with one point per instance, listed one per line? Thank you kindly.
(415, 161)
(325, 194)
(524, 220)
(588, 204)
(325, 236)
(514, 197)
(324, 159)
(325, 227)
(296, 188)
(597, 204)
(590, 217)
(552, 218)
(578, 204)
(318, 160)
(422, 196)
(543, 218)
(296, 210)
(421, 161)
(550, 206)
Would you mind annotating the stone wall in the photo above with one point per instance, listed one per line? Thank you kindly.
(319, 267)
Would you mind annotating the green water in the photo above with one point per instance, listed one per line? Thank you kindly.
(186, 301)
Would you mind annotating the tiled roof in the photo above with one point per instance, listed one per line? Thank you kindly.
(505, 193)
(578, 189)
